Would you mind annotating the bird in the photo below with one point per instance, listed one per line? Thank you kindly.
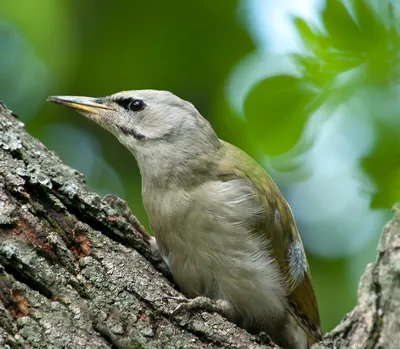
(218, 219)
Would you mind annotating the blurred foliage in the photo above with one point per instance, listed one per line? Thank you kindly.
(356, 48)
(327, 116)
(383, 165)
(292, 98)
(22, 59)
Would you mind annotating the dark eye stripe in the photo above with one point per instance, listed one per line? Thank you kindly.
(124, 102)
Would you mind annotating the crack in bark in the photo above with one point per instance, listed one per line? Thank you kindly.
(126, 239)
(106, 334)
(25, 278)
(376, 328)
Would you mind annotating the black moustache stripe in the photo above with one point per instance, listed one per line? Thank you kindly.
(131, 132)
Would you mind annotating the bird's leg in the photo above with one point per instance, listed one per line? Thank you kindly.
(122, 208)
(220, 306)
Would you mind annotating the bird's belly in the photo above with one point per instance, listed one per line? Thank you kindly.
(240, 274)
(207, 238)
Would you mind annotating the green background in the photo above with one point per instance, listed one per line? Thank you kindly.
(322, 118)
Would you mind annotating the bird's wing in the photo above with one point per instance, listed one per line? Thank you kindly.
(287, 246)
(285, 242)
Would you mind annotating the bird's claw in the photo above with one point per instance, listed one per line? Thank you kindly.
(213, 306)
(182, 302)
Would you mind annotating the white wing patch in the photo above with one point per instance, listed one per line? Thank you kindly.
(297, 263)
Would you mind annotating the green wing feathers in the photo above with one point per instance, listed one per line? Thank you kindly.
(285, 242)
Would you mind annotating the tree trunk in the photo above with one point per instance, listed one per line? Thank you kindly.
(75, 274)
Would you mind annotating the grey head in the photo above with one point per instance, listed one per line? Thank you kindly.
(163, 132)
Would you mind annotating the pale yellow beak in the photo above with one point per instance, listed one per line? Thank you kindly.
(83, 104)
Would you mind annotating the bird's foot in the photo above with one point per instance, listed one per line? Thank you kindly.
(219, 306)
(123, 210)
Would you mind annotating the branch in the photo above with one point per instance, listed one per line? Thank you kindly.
(74, 273)
(375, 321)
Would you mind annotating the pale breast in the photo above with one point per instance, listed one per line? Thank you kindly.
(208, 237)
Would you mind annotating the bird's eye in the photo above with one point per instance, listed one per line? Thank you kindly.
(136, 105)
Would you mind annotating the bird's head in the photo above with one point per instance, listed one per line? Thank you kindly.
(156, 126)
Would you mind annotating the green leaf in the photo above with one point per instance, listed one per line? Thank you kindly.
(343, 30)
(372, 28)
(311, 37)
(277, 110)
(383, 167)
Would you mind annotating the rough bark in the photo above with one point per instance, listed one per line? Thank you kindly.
(75, 274)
